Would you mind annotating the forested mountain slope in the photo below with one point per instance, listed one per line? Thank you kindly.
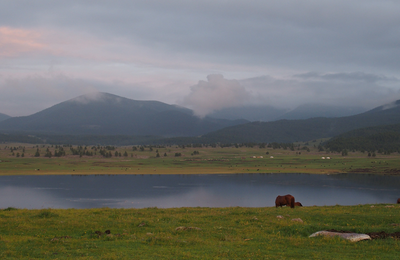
(308, 129)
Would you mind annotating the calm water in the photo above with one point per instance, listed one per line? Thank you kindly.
(168, 191)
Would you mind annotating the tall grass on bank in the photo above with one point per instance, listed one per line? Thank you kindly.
(198, 233)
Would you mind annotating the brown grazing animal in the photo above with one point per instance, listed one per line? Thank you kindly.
(398, 201)
(284, 200)
(298, 204)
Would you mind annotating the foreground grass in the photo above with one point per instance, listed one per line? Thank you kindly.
(214, 233)
(205, 160)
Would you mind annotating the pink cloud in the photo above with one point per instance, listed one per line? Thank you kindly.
(14, 42)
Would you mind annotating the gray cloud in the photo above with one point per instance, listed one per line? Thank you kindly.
(215, 93)
(352, 76)
(286, 33)
(89, 97)
(345, 89)
(157, 49)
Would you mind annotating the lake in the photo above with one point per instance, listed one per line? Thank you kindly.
(217, 190)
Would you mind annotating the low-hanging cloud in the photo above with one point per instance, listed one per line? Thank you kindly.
(215, 93)
(349, 76)
(365, 90)
(89, 97)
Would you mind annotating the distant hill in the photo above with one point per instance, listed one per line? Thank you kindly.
(107, 114)
(107, 118)
(318, 110)
(307, 129)
(3, 117)
(378, 138)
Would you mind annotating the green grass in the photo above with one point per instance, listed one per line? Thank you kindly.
(223, 233)
(217, 233)
(209, 160)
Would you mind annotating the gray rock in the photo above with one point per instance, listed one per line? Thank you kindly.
(297, 220)
(353, 237)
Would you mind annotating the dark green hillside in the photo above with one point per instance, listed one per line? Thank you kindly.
(286, 131)
(283, 131)
(380, 138)
(118, 140)
(20, 138)
(106, 114)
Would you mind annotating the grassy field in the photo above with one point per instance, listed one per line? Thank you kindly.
(19, 159)
(197, 233)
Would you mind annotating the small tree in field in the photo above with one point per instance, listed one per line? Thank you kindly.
(48, 154)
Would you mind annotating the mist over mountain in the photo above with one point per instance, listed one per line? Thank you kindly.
(270, 113)
(251, 113)
(307, 129)
(107, 114)
(319, 110)
(103, 114)
(3, 117)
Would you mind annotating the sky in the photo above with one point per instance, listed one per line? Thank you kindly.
(205, 55)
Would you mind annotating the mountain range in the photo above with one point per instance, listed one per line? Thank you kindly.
(103, 114)
(287, 131)
(107, 114)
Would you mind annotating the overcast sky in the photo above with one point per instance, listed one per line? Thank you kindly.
(205, 54)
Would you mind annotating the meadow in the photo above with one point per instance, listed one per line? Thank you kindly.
(198, 233)
(20, 159)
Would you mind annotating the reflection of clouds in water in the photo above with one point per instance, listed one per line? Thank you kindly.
(222, 196)
(335, 196)
(27, 198)
(250, 196)
(199, 197)
(244, 190)
(195, 198)
(97, 203)
(50, 189)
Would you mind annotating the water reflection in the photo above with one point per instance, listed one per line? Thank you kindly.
(167, 191)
